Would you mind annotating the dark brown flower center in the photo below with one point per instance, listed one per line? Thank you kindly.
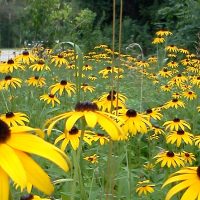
(25, 53)
(198, 78)
(187, 155)
(165, 70)
(86, 65)
(63, 82)
(8, 77)
(27, 197)
(108, 68)
(111, 97)
(86, 106)
(149, 111)
(60, 56)
(179, 75)
(100, 135)
(174, 100)
(36, 77)
(4, 131)
(51, 95)
(9, 115)
(113, 92)
(180, 132)
(170, 154)
(10, 61)
(198, 171)
(73, 131)
(41, 62)
(176, 120)
(131, 113)
(190, 93)
(84, 84)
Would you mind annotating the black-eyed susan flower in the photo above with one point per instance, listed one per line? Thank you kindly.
(198, 108)
(108, 70)
(142, 63)
(179, 137)
(72, 136)
(174, 103)
(134, 122)
(144, 187)
(157, 130)
(92, 116)
(186, 62)
(93, 159)
(169, 159)
(163, 33)
(172, 64)
(153, 59)
(149, 166)
(171, 48)
(85, 87)
(158, 40)
(36, 81)
(196, 80)
(176, 124)
(102, 138)
(10, 81)
(40, 66)
(63, 86)
(32, 197)
(59, 60)
(166, 88)
(154, 113)
(176, 95)
(165, 72)
(187, 179)
(87, 67)
(26, 57)
(184, 51)
(16, 143)
(15, 118)
(188, 157)
(92, 77)
(12, 64)
(197, 140)
(190, 95)
(178, 80)
(111, 100)
(50, 98)
(70, 66)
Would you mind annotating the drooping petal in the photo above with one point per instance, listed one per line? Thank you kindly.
(72, 120)
(33, 144)
(4, 185)
(91, 118)
(11, 164)
(35, 174)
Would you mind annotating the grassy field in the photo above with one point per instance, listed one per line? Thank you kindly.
(136, 117)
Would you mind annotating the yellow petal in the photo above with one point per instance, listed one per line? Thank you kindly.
(34, 144)
(91, 118)
(192, 192)
(72, 120)
(35, 174)
(11, 164)
(4, 185)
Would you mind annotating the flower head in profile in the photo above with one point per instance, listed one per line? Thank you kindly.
(63, 86)
(50, 98)
(12, 64)
(90, 113)
(187, 179)
(174, 103)
(40, 66)
(154, 113)
(36, 81)
(16, 145)
(134, 122)
(10, 81)
(111, 100)
(180, 136)
(59, 60)
(188, 157)
(93, 159)
(163, 33)
(144, 187)
(26, 57)
(72, 136)
(176, 124)
(171, 48)
(158, 40)
(85, 87)
(169, 158)
(15, 118)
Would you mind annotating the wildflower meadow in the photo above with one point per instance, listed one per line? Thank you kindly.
(111, 123)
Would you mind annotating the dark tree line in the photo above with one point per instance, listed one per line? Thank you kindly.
(89, 22)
